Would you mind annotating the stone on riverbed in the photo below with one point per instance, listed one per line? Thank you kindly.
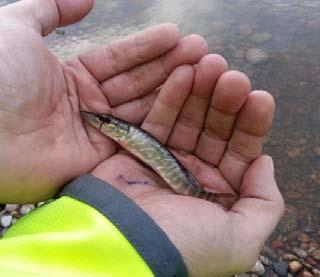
(256, 55)
(25, 209)
(6, 220)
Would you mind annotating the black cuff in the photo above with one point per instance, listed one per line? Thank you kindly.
(139, 228)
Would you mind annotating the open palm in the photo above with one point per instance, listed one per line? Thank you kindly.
(44, 143)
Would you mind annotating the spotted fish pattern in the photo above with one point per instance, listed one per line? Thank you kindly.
(148, 149)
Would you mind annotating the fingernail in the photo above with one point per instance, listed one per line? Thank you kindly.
(271, 164)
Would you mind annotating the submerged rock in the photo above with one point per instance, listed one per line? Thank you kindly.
(12, 207)
(258, 268)
(260, 37)
(295, 267)
(6, 221)
(25, 209)
(256, 55)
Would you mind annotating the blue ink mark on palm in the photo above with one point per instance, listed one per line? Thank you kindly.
(131, 182)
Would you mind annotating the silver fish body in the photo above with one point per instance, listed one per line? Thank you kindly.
(151, 151)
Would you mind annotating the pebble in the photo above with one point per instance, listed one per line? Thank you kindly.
(281, 268)
(295, 267)
(258, 268)
(316, 254)
(277, 244)
(304, 246)
(306, 273)
(294, 195)
(314, 245)
(311, 261)
(289, 257)
(12, 207)
(307, 266)
(293, 152)
(40, 204)
(6, 220)
(265, 260)
(15, 214)
(280, 252)
(300, 252)
(303, 237)
(25, 209)
(270, 252)
(316, 272)
(256, 55)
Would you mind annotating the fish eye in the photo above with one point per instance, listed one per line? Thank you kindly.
(104, 119)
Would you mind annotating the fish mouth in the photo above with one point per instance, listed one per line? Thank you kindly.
(90, 117)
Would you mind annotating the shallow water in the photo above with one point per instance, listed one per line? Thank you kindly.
(287, 31)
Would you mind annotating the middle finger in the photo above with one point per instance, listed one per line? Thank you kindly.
(192, 116)
(230, 94)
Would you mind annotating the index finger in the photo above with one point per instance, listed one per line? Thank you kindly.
(124, 54)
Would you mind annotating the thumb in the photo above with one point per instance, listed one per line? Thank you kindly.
(46, 15)
(260, 203)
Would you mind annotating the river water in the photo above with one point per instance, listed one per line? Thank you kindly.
(277, 44)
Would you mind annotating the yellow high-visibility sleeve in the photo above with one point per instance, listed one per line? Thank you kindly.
(91, 230)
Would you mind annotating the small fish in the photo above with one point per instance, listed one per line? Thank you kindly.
(152, 152)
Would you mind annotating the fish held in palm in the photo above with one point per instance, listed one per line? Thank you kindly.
(148, 149)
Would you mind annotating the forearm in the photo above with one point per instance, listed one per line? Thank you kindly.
(83, 233)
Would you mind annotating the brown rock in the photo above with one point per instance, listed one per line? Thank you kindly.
(289, 257)
(303, 237)
(306, 273)
(276, 244)
(295, 267)
(317, 150)
(314, 244)
(268, 251)
(294, 195)
(312, 247)
(307, 266)
(316, 272)
(293, 152)
(280, 252)
(15, 214)
(293, 235)
(311, 261)
(316, 254)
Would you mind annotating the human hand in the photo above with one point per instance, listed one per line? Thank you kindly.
(43, 141)
(216, 127)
